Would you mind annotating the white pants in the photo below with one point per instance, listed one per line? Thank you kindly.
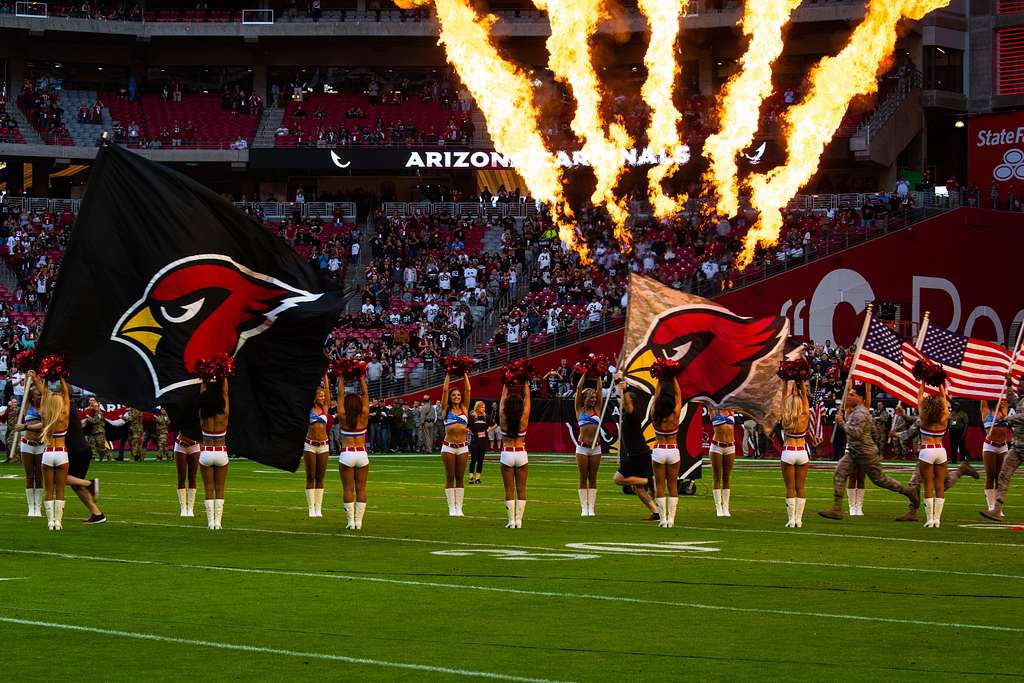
(934, 455)
(516, 458)
(665, 456)
(55, 458)
(795, 457)
(32, 448)
(992, 448)
(187, 450)
(586, 450)
(723, 450)
(310, 448)
(354, 458)
(213, 458)
(461, 450)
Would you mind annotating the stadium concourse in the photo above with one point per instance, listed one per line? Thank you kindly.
(312, 367)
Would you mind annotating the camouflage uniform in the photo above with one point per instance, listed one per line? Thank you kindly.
(862, 451)
(163, 424)
(134, 420)
(96, 427)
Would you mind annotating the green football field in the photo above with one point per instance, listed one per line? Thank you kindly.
(416, 595)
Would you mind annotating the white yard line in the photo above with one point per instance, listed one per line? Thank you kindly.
(253, 649)
(530, 593)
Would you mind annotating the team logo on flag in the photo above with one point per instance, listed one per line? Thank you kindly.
(197, 307)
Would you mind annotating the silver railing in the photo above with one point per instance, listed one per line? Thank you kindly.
(283, 210)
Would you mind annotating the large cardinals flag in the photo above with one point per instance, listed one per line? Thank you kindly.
(729, 361)
(161, 272)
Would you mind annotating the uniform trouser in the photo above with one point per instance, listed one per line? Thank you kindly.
(10, 443)
(872, 467)
(957, 445)
(136, 444)
(476, 460)
(335, 438)
(161, 443)
(98, 446)
(1010, 464)
(749, 442)
(952, 475)
(426, 437)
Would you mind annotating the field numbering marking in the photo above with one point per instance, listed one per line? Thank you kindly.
(646, 548)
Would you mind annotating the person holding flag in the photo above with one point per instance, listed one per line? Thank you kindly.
(1013, 459)
(993, 452)
(353, 462)
(214, 408)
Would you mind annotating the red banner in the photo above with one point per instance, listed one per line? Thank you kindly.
(996, 153)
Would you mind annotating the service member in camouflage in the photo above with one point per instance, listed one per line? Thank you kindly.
(163, 426)
(96, 431)
(134, 420)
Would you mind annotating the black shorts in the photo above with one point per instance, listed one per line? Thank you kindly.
(78, 463)
(635, 466)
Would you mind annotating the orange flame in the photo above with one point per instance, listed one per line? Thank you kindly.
(505, 97)
(834, 82)
(663, 18)
(763, 21)
(572, 24)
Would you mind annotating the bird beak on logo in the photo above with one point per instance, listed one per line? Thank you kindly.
(143, 329)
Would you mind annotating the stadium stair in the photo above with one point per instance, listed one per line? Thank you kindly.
(884, 134)
(84, 134)
(480, 137)
(27, 130)
(8, 280)
(269, 123)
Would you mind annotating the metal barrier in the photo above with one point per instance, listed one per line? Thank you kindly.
(31, 10)
(286, 210)
(518, 209)
(258, 16)
(35, 204)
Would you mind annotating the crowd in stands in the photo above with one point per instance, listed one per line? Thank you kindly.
(40, 100)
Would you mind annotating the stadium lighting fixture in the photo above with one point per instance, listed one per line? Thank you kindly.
(959, 123)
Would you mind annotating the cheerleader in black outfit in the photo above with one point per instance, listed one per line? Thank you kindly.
(479, 426)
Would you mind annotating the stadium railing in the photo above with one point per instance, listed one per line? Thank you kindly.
(286, 210)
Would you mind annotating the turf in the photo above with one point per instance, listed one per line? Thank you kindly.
(286, 596)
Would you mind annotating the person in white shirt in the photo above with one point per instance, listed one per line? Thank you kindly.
(367, 308)
(410, 277)
(552, 321)
(355, 252)
(594, 311)
(710, 269)
(334, 265)
(513, 332)
(431, 310)
(469, 274)
(544, 260)
(444, 281)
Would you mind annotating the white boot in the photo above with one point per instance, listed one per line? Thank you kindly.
(191, 503)
(30, 496)
(929, 508)
(990, 498)
(48, 504)
(520, 509)
(798, 516)
(218, 512)
(672, 511)
(592, 501)
(939, 504)
(182, 503)
(449, 495)
(725, 502)
(585, 511)
(211, 516)
(510, 510)
(860, 502)
(851, 502)
(360, 512)
(39, 502)
(662, 504)
(310, 503)
(350, 514)
(717, 494)
(790, 513)
(58, 515)
(318, 502)
(460, 494)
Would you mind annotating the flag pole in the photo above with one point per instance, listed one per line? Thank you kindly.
(1002, 393)
(607, 399)
(923, 330)
(856, 355)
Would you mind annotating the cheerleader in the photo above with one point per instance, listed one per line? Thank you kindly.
(994, 451)
(213, 453)
(454, 446)
(668, 403)
(316, 451)
(353, 463)
(795, 461)
(588, 452)
(55, 411)
(514, 418)
(32, 450)
(723, 455)
(186, 461)
(479, 427)
(931, 461)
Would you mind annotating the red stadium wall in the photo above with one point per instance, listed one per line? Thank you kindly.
(996, 152)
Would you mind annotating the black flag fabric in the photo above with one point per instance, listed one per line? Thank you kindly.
(161, 272)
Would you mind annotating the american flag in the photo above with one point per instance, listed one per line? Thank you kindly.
(887, 362)
(814, 424)
(975, 368)
(1018, 367)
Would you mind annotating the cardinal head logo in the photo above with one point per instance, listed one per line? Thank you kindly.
(197, 307)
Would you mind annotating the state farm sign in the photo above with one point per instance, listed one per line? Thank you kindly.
(996, 150)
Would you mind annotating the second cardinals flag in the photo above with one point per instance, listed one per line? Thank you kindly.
(161, 272)
(728, 361)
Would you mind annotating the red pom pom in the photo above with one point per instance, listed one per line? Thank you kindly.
(794, 370)
(54, 368)
(215, 369)
(25, 360)
(349, 369)
(519, 372)
(847, 363)
(930, 373)
(665, 369)
(458, 365)
(594, 365)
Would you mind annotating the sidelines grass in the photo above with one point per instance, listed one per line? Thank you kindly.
(417, 595)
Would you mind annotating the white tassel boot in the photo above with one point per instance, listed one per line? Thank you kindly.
(460, 494)
(510, 510)
(592, 501)
(360, 512)
(584, 512)
(182, 503)
(350, 515)
(790, 513)
(798, 516)
(191, 503)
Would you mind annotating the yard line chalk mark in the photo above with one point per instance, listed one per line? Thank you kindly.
(254, 649)
(529, 593)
